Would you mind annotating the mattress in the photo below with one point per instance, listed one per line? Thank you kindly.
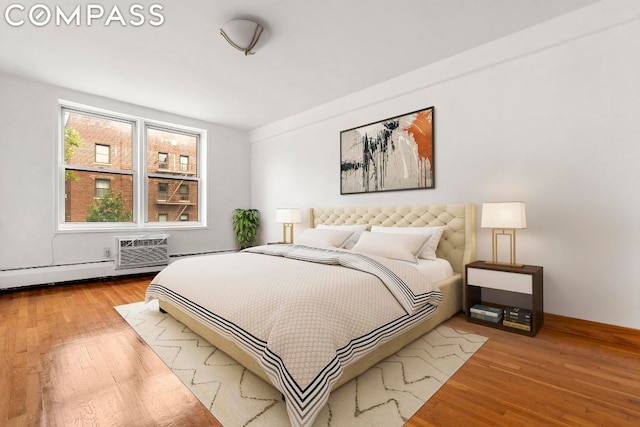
(303, 316)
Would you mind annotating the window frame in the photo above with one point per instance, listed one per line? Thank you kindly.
(140, 175)
(175, 174)
(165, 162)
(96, 188)
(184, 167)
(184, 195)
(108, 162)
(163, 192)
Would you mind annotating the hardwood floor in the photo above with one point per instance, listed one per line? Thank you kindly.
(554, 379)
(67, 358)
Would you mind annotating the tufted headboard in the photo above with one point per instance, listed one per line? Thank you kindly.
(458, 243)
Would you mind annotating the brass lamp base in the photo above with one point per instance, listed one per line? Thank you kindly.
(287, 226)
(511, 232)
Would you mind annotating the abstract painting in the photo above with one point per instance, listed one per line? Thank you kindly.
(393, 154)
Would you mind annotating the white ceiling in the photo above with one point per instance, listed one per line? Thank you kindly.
(317, 50)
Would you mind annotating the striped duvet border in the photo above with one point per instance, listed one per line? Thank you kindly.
(303, 405)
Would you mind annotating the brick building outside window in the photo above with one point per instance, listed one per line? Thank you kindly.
(101, 161)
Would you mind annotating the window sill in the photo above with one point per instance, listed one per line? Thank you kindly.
(116, 228)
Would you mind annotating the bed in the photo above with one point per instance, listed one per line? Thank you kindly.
(427, 305)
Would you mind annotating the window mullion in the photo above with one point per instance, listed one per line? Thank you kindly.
(172, 176)
(98, 170)
(141, 181)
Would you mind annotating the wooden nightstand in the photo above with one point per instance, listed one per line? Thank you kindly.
(504, 286)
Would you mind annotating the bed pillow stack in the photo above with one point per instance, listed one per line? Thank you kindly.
(432, 235)
(357, 230)
(403, 247)
(401, 243)
(324, 238)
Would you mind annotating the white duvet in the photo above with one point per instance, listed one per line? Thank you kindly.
(303, 313)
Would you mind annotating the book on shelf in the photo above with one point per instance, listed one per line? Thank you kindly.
(523, 321)
(486, 318)
(517, 312)
(516, 325)
(486, 310)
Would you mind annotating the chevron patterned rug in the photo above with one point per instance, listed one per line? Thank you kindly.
(388, 394)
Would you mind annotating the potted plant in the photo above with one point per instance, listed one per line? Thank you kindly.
(245, 225)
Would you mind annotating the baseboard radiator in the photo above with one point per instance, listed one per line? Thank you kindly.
(142, 251)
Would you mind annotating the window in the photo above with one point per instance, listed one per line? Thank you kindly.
(163, 189)
(184, 193)
(98, 160)
(103, 154)
(128, 172)
(163, 161)
(182, 177)
(102, 186)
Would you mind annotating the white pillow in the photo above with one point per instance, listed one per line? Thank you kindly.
(323, 238)
(433, 233)
(404, 247)
(357, 229)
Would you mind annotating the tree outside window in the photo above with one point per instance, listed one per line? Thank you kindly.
(110, 208)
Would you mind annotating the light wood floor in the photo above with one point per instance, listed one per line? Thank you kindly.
(67, 358)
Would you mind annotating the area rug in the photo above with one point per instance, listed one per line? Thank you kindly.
(388, 394)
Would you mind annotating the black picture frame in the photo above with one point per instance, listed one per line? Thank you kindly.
(393, 154)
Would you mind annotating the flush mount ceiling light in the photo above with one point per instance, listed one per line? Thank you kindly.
(242, 34)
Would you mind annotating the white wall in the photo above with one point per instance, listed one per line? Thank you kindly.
(28, 138)
(549, 116)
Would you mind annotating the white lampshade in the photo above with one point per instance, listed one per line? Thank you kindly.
(244, 35)
(288, 216)
(503, 215)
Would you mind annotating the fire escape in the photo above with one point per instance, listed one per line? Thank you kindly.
(175, 197)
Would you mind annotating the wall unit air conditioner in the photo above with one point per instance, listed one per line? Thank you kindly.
(142, 251)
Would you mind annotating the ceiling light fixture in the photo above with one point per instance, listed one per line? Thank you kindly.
(242, 34)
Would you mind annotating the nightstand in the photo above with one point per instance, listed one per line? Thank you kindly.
(503, 286)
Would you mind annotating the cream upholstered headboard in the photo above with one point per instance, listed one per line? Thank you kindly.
(458, 242)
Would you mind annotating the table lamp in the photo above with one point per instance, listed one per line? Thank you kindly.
(503, 218)
(287, 217)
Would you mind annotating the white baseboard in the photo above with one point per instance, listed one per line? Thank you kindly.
(50, 275)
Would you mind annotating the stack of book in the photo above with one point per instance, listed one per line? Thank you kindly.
(487, 313)
(516, 317)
